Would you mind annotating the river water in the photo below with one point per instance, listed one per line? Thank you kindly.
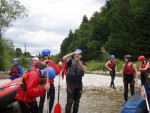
(93, 100)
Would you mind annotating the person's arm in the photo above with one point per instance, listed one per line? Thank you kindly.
(147, 65)
(20, 71)
(116, 66)
(106, 65)
(83, 67)
(140, 68)
(123, 72)
(66, 57)
(136, 74)
(143, 95)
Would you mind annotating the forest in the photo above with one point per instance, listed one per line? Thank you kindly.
(120, 27)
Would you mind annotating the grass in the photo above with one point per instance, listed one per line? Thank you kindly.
(100, 66)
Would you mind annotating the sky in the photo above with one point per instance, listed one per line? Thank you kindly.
(49, 22)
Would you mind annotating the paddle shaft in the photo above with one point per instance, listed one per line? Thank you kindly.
(47, 93)
(57, 108)
(59, 86)
(146, 99)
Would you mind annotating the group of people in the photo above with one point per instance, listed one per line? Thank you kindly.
(39, 80)
(130, 75)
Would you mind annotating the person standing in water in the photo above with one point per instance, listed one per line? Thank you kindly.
(111, 66)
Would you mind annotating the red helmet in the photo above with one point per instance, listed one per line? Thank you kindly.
(141, 58)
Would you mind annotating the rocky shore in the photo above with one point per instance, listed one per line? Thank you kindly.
(4, 75)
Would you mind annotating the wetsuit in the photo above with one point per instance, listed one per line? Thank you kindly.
(74, 86)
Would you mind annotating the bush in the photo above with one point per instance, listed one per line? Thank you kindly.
(94, 65)
(25, 63)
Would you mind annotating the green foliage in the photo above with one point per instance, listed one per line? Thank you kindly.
(120, 28)
(95, 65)
(18, 52)
(6, 53)
(27, 54)
(25, 63)
(56, 58)
(10, 11)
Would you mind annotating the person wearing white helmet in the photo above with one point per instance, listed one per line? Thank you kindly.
(111, 66)
(35, 59)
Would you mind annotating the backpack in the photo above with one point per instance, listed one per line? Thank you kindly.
(22, 82)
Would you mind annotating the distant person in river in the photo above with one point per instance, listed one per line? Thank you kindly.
(33, 84)
(16, 70)
(75, 69)
(51, 93)
(129, 73)
(142, 68)
(111, 66)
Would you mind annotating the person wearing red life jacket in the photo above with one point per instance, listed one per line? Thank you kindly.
(111, 66)
(142, 69)
(51, 93)
(16, 70)
(129, 70)
(75, 71)
(32, 86)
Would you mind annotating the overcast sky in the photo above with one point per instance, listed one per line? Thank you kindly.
(49, 22)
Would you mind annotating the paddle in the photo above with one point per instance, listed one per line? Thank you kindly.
(57, 108)
(14, 84)
(47, 93)
(146, 100)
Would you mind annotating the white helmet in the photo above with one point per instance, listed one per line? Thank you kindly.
(35, 59)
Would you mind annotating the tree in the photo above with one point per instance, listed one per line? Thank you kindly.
(8, 53)
(85, 19)
(66, 43)
(10, 11)
(18, 52)
(27, 54)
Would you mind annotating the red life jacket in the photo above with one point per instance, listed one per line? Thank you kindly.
(112, 64)
(14, 71)
(143, 66)
(128, 69)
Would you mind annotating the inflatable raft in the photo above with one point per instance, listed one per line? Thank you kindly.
(134, 105)
(8, 92)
